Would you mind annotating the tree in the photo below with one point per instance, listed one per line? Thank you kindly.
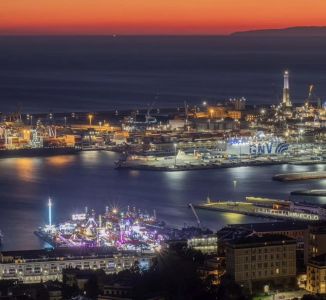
(91, 288)
(229, 290)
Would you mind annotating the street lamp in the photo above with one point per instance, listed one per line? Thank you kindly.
(175, 154)
(240, 152)
(211, 112)
(301, 131)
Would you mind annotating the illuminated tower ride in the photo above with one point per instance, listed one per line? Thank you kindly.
(50, 212)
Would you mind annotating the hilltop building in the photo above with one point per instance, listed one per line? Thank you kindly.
(315, 241)
(256, 262)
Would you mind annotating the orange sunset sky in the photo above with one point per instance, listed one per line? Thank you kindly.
(155, 16)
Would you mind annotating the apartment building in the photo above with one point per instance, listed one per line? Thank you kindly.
(43, 265)
(257, 261)
(316, 275)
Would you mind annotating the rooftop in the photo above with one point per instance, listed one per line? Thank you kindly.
(272, 226)
(319, 260)
(256, 241)
(318, 227)
(61, 254)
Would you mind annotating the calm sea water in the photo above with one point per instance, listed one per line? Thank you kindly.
(89, 179)
(103, 73)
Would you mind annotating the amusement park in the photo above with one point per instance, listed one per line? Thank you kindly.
(124, 230)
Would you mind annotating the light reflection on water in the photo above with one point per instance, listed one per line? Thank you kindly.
(60, 161)
(234, 218)
(26, 169)
(89, 179)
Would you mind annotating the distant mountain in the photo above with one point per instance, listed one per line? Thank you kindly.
(310, 31)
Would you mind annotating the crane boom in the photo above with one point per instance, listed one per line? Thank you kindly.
(311, 88)
(195, 214)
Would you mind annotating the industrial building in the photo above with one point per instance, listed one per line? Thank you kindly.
(205, 243)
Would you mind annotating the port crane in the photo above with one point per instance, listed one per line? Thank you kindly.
(186, 111)
(148, 117)
(16, 116)
(310, 95)
(52, 131)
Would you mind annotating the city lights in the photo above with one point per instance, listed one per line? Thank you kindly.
(90, 118)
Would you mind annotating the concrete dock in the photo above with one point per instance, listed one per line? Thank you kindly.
(316, 193)
(256, 210)
(300, 176)
(197, 166)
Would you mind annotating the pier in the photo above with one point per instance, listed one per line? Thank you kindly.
(300, 176)
(316, 193)
(194, 166)
(267, 208)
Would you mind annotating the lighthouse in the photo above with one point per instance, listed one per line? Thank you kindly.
(286, 90)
